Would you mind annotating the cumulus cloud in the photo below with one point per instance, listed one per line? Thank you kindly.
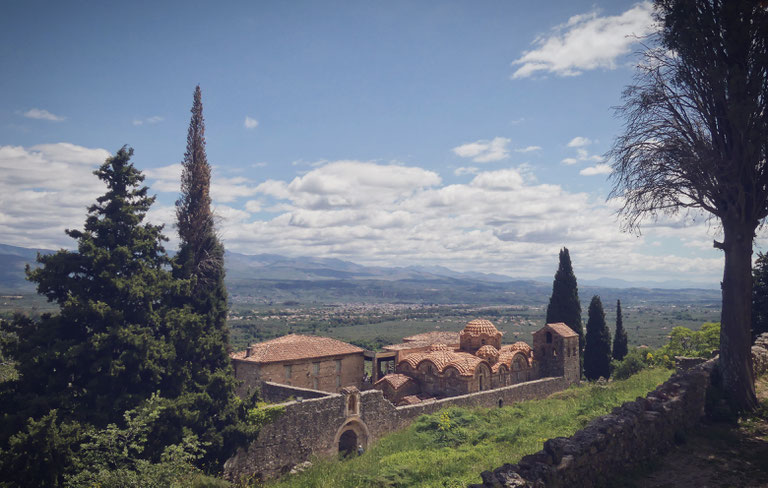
(155, 119)
(46, 189)
(528, 149)
(587, 41)
(484, 151)
(466, 170)
(378, 214)
(598, 169)
(250, 123)
(579, 141)
(41, 114)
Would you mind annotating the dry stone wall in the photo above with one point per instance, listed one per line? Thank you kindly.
(629, 436)
(313, 426)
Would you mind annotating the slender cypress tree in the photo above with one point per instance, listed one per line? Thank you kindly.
(597, 352)
(205, 371)
(620, 339)
(564, 305)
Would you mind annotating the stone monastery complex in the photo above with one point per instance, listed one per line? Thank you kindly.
(331, 405)
(424, 366)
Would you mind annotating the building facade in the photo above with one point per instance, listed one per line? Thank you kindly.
(481, 363)
(317, 363)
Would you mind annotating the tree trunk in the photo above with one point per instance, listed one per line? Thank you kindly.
(735, 337)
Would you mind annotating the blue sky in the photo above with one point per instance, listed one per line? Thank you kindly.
(464, 134)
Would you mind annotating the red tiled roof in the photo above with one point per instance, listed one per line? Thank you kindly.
(478, 327)
(465, 363)
(294, 347)
(562, 329)
(434, 337)
(394, 380)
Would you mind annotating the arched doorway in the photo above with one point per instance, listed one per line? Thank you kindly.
(351, 435)
(348, 443)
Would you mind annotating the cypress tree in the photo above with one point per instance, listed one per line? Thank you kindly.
(597, 351)
(564, 305)
(205, 375)
(620, 339)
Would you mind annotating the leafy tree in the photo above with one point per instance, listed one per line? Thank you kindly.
(760, 296)
(620, 339)
(696, 138)
(597, 352)
(106, 351)
(564, 305)
(692, 343)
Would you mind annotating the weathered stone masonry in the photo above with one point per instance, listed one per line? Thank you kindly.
(630, 436)
(314, 426)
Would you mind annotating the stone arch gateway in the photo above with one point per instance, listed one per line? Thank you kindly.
(352, 433)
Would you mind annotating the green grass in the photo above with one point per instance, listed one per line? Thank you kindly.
(450, 448)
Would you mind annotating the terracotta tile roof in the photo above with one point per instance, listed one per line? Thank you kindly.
(562, 329)
(394, 380)
(517, 346)
(294, 347)
(489, 353)
(434, 337)
(409, 400)
(464, 362)
(406, 346)
(480, 326)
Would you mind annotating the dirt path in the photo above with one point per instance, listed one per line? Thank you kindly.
(718, 455)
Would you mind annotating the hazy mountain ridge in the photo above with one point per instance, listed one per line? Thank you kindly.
(271, 277)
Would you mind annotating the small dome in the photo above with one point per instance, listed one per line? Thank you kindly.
(438, 347)
(489, 353)
(480, 326)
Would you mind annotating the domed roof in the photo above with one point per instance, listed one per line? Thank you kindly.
(438, 347)
(480, 326)
(489, 353)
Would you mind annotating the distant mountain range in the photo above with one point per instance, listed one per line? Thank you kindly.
(275, 278)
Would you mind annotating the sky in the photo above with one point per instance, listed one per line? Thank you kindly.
(465, 134)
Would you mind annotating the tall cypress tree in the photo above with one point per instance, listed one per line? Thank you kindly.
(597, 351)
(564, 305)
(206, 373)
(620, 339)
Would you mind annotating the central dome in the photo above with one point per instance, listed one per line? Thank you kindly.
(480, 326)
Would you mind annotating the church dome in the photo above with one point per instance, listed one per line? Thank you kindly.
(438, 347)
(489, 353)
(480, 326)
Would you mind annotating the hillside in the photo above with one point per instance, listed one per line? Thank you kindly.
(267, 278)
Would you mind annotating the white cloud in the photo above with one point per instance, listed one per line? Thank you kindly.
(484, 151)
(579, 141)
(465, 170)
(586, 42)
(528, 149)
(41, 114)
(598, 169)
(250, 123)
(155, 119)
(378, 214)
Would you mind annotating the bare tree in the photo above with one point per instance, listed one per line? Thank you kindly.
(696, 137)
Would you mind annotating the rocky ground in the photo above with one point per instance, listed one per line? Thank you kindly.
(717, 455)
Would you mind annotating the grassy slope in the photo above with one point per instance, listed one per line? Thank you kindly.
(451, 448)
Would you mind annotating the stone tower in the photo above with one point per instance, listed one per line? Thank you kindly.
(556, 350)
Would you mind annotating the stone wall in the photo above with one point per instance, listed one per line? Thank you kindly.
(629, 436)
(313, 426)
(277, 393)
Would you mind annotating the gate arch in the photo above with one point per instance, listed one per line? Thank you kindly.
(352, 431)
